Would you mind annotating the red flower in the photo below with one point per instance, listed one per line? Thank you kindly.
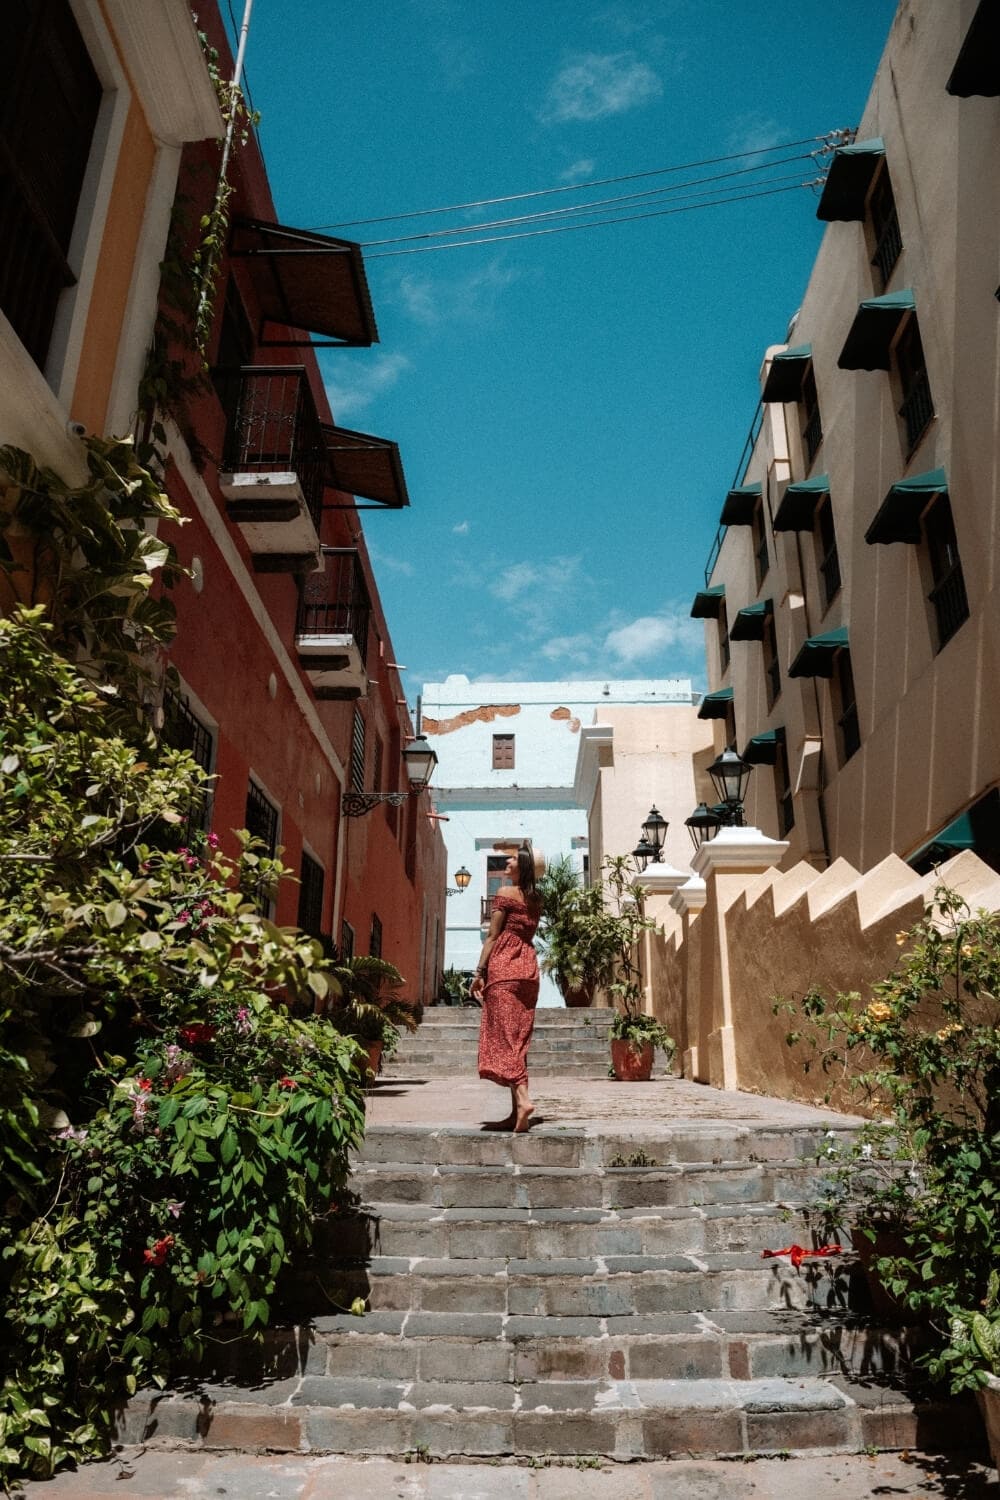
(159, 1252)
(287, 1083)
(197, 1033)
(144, 1085)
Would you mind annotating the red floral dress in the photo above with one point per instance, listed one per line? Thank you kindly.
(510, 996)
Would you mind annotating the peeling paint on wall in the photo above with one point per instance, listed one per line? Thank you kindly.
(485, 714)
(564, 714)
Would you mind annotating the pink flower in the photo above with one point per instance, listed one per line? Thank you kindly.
(174, 1208)
(213, 841)
(243, 1023)
(184, 916)
(197, 1033)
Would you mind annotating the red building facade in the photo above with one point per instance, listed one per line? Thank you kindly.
(288, 689)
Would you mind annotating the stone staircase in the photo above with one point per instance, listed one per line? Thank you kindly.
(574, 1291)
(572, 1043)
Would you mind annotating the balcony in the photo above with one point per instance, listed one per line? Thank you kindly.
(331, 631)
(274, 464)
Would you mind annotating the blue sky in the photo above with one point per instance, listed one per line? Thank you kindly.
(570, 407)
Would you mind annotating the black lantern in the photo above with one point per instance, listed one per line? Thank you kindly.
(703, 824)
(462, 878)
(730, 773)
(420, 762)
(654, 832)
(643, 853)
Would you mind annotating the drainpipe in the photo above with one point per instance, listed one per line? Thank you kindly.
(234, 89)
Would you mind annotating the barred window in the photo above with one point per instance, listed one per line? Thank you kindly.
(346, 942)
(183, 730)
(358, 752)
(311, 880)
(375, 941)
(262, 818)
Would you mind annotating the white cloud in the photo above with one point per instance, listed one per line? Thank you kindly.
(755, 132)
(579, 171)
(472, 298)
(594, 85)
(575, 648)
(350, 388)
(462, 529)
(649, 635)
(390, 563)
(544, 581)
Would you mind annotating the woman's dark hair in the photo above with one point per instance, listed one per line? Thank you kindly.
(526, 875)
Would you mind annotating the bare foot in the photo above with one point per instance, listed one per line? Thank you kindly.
(523, 1123)
(507, 1124)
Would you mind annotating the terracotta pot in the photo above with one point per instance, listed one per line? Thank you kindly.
(374, 1050)
(577, 998)
(885, 1307)
(989, 1405)
(632, 1061)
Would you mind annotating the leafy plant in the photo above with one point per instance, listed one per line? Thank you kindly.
(973, 1350)
(591, 936)
(360, 1007)
(640, 1029)
(454, 987)
(173, 1112)
(923, 1055)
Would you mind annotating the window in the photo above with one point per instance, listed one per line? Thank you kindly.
(724, 652)
(811, 427)
(310, 917)
(772, 667)
(948, 596)
(183, 730)
(758, 531)
(783, 787)
(917, 405)
(346, 941)
(827, 557)
(886, 237)
(845, 707)
(377, 770)
(358, 752)
(496, 876)
(375, 940)
(503, 752)
(48, 113)
(262, 823)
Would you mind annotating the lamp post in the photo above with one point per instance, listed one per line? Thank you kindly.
(643, 853)
(654, 831)
(703, 824)
(730, 774)
(462, 878)
(419, 759)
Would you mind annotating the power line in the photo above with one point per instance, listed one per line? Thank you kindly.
(602, 205)
(528, 234)
(827, 143)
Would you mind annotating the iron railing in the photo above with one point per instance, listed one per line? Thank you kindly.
(951, 603)
(917, 410)
(812, 435)
(272, 426)
(745, 457)
(334, 600)
(888, 249)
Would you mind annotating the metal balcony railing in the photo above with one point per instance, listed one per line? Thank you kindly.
(272, 426)
(917, 410)
(335, 601)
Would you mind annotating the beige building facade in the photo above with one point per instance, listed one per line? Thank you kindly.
(851, 598)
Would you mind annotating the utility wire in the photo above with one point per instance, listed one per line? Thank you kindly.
(597, 224)
(602, 205)
(826, 143)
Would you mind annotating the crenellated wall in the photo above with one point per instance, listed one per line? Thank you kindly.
(780, 934)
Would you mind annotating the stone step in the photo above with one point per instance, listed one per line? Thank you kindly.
(545, 1015)
(589, 1288)
(676, 1346)
(556, 1042)
(621, 1418)
(422, 1230)
(425, 1067)
(514, 1186)
(575, 1146)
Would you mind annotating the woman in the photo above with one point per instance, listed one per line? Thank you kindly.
(506, 983)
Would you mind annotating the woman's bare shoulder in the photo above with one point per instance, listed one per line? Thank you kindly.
(509, 893)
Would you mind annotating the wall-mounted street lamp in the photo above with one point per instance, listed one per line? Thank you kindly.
(419, 759)
(462, 878)
(649, 849)
(730, 774)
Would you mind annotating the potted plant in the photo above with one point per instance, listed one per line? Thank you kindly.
(361, 1010)
(565, 905)
(972, 1359)
(634, 1038)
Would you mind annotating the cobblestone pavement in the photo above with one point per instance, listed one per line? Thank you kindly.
(190, 1476)
(597, 1102)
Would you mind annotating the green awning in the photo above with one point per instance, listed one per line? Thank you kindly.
(977, 69)
(873, 330)
(848, 180)
(715, 705)
(784, 378)
(762, 749)
(816, 657)
(797, 508)
(707, 602)
(750, 622)
(977, 828)
(740, 505)
(900, 514)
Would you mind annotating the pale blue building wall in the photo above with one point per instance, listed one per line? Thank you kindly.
(533, 800)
